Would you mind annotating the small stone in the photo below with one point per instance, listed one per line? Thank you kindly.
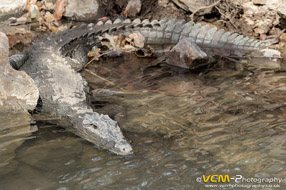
(263, 36)
(34, 12)
(259, 2)
(163, 3)
(50, 6)
(13, 20)
(249, 8)
(259, 31)
(138, 39)
(133, 7)
(271, 53)
(283, 38)
(249, 21)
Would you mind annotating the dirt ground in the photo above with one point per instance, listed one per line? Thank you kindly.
(227, 14)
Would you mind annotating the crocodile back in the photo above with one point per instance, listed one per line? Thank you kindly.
(170, 31)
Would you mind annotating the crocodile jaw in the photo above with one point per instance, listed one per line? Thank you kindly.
(123, 148)
(105, 133)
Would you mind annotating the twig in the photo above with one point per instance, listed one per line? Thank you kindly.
(230, 20)
(94, 58)
(101, 78)
(206, 7)
(89, 62)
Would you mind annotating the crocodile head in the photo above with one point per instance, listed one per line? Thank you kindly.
(105, 133)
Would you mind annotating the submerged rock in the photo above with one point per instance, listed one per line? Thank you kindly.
(186, 54)
(18, 93)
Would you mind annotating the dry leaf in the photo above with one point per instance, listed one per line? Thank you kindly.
(50, 22)
(49, 17)
(94, 52)
(111, 45)
(43, 7)
(138, 39)
(103, 19)
(59, 9)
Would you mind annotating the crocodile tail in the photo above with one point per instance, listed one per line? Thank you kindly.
(220, 41)
(170, 31)
(227, 43)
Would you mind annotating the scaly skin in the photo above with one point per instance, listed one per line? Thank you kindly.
(168, 31)
(63, 93)
(63, 90)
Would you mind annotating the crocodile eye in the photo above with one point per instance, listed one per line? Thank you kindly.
(94, 126)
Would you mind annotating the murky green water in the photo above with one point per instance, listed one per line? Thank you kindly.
(182, 125)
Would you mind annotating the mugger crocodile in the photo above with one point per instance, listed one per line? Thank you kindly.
(52, 62)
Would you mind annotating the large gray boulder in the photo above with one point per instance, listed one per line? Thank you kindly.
(18, 93)
(10, 7)
(82, 10)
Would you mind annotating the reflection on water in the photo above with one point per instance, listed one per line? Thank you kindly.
(182, 126)
(14, 130)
